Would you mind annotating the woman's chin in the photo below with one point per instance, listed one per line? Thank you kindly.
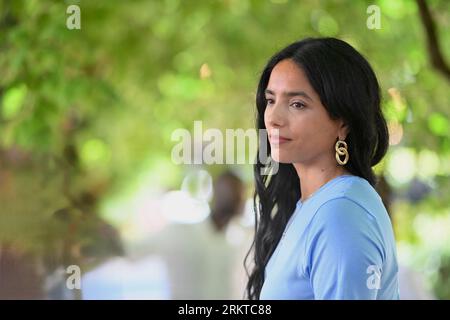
(281, 158)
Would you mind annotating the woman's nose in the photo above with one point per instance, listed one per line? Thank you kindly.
(275, 116)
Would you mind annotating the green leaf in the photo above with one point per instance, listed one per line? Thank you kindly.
(13, 101)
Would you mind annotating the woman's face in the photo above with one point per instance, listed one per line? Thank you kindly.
(299, 128)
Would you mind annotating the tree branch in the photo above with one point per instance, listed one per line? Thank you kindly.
(434, 49)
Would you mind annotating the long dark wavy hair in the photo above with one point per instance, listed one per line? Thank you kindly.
(349, 90)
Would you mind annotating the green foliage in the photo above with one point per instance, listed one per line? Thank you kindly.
(99, 104)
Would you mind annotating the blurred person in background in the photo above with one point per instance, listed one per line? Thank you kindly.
(204, 259)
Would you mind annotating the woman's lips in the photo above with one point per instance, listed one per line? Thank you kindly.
(277, 140)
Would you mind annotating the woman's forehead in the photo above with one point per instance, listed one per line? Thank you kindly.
(288, 79)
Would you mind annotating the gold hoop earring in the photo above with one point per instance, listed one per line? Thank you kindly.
(341, 151)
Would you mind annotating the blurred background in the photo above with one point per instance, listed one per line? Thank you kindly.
(88, 188)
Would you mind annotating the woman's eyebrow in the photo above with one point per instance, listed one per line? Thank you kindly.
(291, 93)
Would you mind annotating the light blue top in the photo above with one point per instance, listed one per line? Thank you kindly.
(338, 244)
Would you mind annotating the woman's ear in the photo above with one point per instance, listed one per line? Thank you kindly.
(343, 130)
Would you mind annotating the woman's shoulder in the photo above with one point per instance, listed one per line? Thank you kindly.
(342, 225)
(353, 204)
(353, 194)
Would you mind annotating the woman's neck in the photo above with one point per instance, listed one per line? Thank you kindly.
(314, 176)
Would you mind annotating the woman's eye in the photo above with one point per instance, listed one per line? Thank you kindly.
(269, 101)
(298, 105)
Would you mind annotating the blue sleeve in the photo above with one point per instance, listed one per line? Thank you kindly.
(345, 254)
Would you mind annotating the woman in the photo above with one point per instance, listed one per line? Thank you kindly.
(322, 231)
